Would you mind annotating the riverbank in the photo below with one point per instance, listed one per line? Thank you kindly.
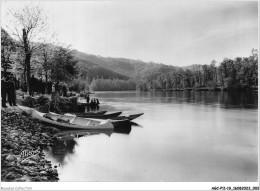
(252, 88)
(20, 133)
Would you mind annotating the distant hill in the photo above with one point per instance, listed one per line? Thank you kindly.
(123, 66)
(93, 66)
(91, 70)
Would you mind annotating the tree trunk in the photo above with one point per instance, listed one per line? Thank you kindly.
(28, 72)
(46, 76)
(28, 55)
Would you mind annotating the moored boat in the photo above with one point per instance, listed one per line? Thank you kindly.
(100, 116)
(71, 122)
(94, 113)
(116, 123)
(129, 117)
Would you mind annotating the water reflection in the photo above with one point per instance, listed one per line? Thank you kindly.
(125, 129)
(61, 149)
(67, 140)
(187, 136)
(247, 100)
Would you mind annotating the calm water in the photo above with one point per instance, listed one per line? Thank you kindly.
(182, 136)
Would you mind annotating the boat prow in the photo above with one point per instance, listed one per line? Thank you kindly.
(129, 117)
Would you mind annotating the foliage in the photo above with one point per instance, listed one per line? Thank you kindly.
(78, 85)
(63, 65)
(45, 56)
(239, 73)
(112, 85)
(89, 70)
(7, 50)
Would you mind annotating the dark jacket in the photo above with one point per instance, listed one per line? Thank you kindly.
(3, 86)
(11, 87)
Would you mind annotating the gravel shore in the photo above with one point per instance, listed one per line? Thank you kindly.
(20, 133)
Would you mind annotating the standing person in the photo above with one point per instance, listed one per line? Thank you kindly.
(3, 91)
(64, 91)
(11, 92)
(32, 84)
(88, 98)
(53, 88)
(18, 84)
(42, 87)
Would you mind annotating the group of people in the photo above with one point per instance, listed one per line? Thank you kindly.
(40, 87)
(8, 88)
(92, 101)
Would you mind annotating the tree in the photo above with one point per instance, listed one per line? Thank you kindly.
(45, 53)
(213, 72)
(26, 26)
(63, 65)
(7, 49)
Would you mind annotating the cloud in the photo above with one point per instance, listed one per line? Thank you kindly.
(156, 31)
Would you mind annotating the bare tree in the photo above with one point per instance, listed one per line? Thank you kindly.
(45, 53)
(27, 26)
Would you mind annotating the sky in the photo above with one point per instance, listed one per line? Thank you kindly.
(176, 33)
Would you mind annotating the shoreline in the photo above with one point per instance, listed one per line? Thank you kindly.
(19, 133)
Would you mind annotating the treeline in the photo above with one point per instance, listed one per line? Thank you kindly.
(239, 73)
(112, 85)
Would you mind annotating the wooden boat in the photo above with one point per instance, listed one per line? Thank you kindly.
(129, 117)
(116, 123)
(71, 122)
(95, 113)
(100, 116)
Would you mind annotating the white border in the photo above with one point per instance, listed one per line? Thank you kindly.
(125, 186)
(134, 185)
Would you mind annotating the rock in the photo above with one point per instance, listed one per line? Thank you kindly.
(3, 156)
(10, 158)
(36, 158)
(16, 152)
(14, 133)
(33, 174)
(13, 163)
(10, 176)
(8, 145)
(27, 169)
(45, 135)
(43, 172)
(21, 133)
(55, 171)
(24, 178)
(28, 134)
(44, 178)
(24, 162)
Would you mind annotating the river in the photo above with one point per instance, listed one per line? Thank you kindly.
(182, 136)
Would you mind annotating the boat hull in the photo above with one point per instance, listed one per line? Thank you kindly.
(129, 117)
(105, 116)
(75, 122)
